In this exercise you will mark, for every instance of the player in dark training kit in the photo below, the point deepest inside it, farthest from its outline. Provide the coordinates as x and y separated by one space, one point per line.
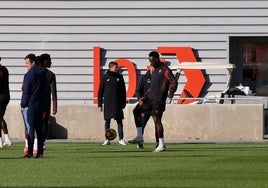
163 86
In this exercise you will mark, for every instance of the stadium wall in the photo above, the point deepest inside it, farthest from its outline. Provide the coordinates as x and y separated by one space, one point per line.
226 122
69 31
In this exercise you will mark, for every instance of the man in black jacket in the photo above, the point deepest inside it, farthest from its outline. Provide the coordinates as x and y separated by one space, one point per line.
163 85
112 92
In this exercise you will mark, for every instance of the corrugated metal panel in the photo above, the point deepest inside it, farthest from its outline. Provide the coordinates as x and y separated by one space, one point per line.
69 30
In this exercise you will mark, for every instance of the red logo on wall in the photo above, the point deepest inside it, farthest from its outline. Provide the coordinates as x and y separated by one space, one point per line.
195 78
192 88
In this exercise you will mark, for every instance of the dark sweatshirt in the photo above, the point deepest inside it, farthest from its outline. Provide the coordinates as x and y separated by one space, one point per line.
162 81
143 85
4 85
34 89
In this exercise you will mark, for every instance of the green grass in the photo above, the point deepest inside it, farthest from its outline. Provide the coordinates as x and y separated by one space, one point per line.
93 165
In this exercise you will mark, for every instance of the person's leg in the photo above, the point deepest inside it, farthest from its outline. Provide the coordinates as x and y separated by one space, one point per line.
46 116
40 135
35 146
30 131
140 121
24 113
45 125
120 132
160 133
145 118
156 137
157 112
7 141
25 150
120 128
137 112
159 126
1 143
107 123
3 125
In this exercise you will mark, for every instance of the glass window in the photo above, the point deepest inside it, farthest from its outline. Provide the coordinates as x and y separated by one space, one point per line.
250 55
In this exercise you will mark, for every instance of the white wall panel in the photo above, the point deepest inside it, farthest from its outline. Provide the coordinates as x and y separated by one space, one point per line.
69 30
132 21
84 38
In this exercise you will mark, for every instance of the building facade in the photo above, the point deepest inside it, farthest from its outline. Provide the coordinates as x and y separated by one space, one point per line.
217 31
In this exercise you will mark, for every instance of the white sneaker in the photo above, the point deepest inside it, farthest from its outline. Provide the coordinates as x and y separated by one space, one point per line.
121 142
106 142
160 149
7 143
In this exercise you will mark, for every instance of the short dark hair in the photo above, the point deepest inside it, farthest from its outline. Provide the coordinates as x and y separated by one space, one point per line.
154 54
38 60
45 56
31 57
112 63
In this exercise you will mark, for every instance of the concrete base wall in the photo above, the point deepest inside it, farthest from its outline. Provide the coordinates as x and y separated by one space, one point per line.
181 122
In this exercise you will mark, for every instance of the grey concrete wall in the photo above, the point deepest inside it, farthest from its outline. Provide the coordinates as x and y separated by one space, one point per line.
181 122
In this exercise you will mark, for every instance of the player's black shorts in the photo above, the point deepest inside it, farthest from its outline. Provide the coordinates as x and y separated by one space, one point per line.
157 108
3 108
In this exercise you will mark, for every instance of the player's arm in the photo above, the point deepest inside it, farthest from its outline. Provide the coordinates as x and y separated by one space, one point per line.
53 87
123 92
140 88
100 93
26 91
173 83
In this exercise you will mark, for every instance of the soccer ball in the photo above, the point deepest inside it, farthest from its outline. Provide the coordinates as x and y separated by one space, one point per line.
110 134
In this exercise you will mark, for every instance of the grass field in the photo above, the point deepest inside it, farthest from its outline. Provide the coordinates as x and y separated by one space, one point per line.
83 164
